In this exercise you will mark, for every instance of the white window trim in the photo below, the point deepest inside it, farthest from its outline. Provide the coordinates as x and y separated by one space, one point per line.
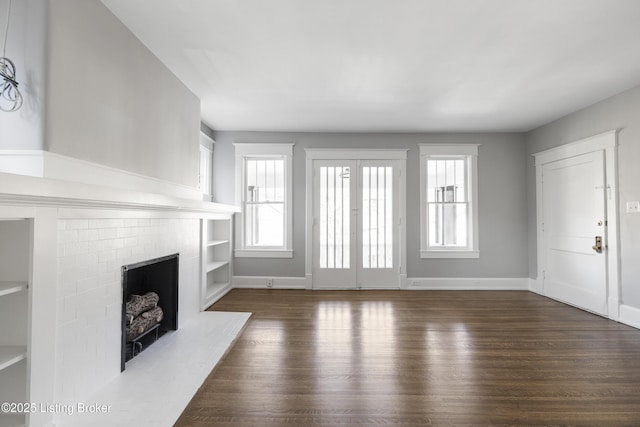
243 150
446 150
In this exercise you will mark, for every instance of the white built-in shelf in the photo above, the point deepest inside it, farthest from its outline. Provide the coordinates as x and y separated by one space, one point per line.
7 288
216 290
13 420
11 354
216 265
217 242
213 290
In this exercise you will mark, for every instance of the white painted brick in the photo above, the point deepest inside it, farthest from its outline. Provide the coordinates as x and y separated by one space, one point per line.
67 236
108 255
124 253
130 242
114 294
136 251
131 222
118 243
108 277
96 246
94 278
88 235
77 224
97 223
87 284
115 223
107 233
75 248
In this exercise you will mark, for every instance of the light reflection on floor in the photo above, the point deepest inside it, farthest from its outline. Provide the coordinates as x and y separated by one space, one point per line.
355 339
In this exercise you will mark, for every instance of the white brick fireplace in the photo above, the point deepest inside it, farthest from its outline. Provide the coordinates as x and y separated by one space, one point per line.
82 234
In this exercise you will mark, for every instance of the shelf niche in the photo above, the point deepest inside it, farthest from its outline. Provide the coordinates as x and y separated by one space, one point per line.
216 256
15 267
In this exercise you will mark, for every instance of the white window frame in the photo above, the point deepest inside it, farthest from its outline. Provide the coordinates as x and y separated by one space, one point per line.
469 152
266 150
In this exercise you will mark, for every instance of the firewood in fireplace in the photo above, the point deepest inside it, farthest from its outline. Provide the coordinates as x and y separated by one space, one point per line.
144 322
137 304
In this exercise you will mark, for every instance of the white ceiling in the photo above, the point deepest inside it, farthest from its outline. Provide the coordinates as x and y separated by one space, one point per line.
391 65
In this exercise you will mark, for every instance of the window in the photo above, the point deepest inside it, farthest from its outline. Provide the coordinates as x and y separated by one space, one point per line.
448 197
263 190
206 165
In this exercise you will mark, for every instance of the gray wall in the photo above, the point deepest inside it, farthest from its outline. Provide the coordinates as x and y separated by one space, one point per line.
619 112
112 102
26 47
502 204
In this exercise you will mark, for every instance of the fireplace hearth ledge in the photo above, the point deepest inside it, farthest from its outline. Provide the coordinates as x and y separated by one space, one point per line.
180 362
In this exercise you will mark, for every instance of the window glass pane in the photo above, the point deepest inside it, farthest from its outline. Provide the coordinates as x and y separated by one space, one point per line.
461 192
431 180
265 189
446 180
447 224
264 224
377 216
265 180
205 170
334 217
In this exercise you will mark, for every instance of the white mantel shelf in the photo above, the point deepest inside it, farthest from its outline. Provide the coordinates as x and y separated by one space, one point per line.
22 190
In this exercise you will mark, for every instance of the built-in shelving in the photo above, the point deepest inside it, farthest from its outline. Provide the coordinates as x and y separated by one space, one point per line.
217 242
11 354
15 266
7 288
216 254
216 265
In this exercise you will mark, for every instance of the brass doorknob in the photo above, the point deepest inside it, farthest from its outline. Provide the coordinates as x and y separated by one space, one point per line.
598 246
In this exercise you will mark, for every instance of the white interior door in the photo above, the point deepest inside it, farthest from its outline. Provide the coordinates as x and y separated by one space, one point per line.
355 236
574 216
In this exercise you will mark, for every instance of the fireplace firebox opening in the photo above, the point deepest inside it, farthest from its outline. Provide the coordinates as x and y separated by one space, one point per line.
149 303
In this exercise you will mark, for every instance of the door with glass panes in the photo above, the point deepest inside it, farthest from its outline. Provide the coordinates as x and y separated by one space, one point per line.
356 224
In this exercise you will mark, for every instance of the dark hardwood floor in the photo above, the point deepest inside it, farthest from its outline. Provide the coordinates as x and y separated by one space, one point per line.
419 358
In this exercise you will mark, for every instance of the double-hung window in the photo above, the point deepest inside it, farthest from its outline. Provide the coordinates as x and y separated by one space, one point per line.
263 189
448 201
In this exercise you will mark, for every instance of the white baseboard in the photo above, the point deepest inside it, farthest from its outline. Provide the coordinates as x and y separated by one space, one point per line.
261 282
535 286
468 284
500 284
629 316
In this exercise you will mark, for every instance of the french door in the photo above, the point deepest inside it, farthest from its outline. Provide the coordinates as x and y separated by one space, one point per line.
356 224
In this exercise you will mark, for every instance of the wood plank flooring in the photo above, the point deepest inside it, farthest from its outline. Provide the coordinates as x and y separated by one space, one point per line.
343 358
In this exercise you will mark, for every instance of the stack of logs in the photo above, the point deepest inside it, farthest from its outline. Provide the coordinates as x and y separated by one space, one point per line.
142 313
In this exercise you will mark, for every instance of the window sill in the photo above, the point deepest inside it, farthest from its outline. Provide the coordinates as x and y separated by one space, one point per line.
450 254
263 253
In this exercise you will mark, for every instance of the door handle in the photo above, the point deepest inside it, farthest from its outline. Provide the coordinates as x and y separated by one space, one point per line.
598 246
